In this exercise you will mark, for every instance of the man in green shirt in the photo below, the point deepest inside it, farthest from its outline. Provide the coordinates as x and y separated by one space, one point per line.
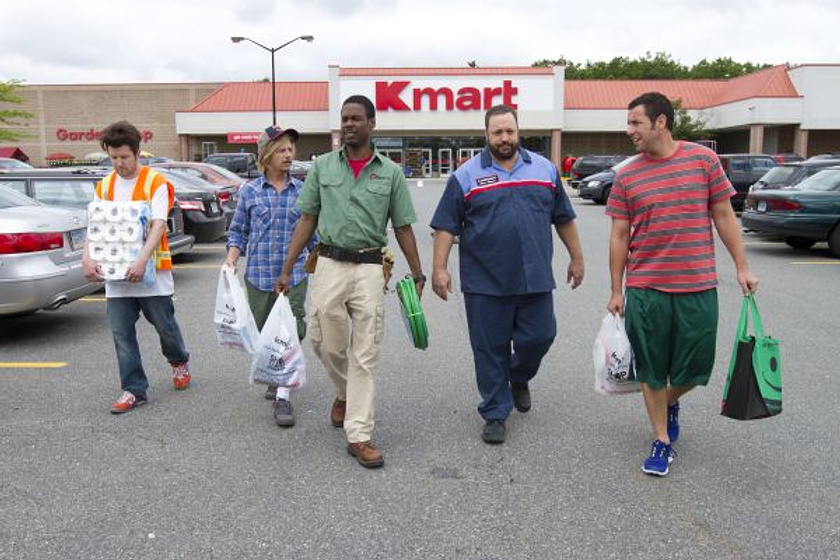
349 196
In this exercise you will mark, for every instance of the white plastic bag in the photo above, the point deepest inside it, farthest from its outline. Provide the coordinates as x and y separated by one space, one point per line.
278 358
234 322
612 354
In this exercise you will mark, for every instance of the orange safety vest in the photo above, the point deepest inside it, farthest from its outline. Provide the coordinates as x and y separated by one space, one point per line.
148 182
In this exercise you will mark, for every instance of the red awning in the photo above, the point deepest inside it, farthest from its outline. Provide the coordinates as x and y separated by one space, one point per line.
59 156
13 152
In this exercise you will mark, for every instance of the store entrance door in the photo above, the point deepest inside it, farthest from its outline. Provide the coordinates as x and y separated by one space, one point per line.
394 155
445 162
466 153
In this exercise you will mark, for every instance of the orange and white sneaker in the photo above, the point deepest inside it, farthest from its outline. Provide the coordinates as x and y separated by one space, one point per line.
127 401
181 376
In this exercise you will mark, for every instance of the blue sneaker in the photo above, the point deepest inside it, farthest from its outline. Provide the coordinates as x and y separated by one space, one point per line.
674 422
661 455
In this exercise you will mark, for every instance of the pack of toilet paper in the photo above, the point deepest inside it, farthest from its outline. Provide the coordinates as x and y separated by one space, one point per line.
116 233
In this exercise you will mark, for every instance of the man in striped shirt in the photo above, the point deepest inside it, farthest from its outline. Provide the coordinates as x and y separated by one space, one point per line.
662 205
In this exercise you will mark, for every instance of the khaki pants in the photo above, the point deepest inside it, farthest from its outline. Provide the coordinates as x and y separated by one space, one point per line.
345 327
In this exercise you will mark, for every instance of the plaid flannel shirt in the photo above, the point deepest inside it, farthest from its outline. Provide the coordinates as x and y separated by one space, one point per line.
262 229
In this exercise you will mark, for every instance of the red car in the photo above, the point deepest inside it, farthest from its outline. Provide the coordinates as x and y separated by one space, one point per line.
228 182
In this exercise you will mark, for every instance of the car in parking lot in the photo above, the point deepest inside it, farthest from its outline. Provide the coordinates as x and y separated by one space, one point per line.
743 170
7 164
204 217
790 174
74 188
40 255
802 215
588 165
243 164
597 187
300 169
225 184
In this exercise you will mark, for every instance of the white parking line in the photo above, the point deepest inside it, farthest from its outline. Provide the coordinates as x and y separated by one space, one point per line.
837 262
32 365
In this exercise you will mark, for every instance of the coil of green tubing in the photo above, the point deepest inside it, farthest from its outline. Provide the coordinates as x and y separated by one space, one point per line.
415 321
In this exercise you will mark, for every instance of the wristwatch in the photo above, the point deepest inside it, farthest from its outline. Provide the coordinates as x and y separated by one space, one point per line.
419 277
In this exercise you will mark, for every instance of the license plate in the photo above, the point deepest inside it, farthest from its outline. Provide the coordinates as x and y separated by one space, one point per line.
762 206
214 208
77 239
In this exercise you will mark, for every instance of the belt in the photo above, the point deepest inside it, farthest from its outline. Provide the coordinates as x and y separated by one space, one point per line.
367 256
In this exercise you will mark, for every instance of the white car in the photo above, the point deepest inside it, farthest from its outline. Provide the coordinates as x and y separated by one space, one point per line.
40 255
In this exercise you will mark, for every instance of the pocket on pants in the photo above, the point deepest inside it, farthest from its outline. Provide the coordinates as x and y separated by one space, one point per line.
379 327
314 328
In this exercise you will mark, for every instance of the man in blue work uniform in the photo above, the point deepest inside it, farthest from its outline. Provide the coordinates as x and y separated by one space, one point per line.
502 203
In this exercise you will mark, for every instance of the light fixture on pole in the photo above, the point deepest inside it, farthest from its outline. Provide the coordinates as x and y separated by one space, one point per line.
307 38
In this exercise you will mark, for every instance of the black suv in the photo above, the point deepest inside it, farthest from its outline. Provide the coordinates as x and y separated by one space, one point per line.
243 164
74 187
743 170
589 165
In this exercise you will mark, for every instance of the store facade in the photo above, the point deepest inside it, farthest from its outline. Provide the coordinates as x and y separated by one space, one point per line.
430 119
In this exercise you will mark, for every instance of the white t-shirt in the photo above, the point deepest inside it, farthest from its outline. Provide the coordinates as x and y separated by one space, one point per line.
164 283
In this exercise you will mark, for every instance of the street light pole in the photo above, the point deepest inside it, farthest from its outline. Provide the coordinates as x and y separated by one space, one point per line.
272 50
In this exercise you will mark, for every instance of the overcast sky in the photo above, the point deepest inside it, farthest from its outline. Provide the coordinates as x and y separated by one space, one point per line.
95 41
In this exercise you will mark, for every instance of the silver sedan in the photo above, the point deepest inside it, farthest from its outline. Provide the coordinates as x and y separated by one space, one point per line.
40 255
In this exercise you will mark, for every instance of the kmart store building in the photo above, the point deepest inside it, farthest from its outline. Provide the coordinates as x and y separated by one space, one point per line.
430 118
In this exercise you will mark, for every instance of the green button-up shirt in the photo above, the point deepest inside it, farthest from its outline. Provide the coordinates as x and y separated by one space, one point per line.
353 213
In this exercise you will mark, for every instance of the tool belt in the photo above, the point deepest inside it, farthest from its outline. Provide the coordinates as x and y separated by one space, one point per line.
367 256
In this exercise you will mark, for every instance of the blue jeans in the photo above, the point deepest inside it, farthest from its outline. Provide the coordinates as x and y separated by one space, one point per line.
123 313
509 337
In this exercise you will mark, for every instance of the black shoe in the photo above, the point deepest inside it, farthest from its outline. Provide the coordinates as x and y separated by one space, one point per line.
271 392
283 414
494 431
521 397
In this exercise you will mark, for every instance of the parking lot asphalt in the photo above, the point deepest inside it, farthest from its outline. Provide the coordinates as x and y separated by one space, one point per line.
206 474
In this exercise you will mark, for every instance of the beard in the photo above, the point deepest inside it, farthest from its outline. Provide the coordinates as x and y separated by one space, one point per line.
504 152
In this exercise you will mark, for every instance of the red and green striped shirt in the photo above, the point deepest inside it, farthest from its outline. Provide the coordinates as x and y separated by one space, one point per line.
668 202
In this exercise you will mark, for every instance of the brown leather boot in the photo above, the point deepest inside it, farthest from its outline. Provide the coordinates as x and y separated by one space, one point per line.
366 454
339 409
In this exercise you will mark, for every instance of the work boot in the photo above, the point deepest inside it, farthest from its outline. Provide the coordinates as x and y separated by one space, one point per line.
366 454
521 396
339 409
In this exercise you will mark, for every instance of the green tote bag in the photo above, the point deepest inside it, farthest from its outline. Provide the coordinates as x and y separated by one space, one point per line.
753 388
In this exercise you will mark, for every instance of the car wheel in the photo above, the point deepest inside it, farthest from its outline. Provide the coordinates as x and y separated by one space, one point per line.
834 241
800 242
605 196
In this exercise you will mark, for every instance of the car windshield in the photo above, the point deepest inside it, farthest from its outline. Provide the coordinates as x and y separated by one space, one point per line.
825 180
14 164
13 199
782 175
621 164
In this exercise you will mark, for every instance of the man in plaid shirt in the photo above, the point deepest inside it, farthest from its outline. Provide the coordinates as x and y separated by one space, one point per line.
262 227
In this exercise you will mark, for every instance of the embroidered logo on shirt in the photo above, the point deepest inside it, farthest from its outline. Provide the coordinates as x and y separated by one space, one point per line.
488 180
374 177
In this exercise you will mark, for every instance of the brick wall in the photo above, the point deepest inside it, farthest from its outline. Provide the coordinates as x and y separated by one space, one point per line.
80 108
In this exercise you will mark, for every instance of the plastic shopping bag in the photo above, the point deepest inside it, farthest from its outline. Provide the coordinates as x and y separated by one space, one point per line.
278 358
753 387
612 354
234 322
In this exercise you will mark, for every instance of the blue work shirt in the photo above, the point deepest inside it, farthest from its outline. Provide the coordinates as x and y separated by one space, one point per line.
504 220
262 229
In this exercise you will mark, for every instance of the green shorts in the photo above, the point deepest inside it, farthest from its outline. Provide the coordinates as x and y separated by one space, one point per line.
673 336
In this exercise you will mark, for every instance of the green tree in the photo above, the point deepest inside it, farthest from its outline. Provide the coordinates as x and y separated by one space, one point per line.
651 66
10 117
686 128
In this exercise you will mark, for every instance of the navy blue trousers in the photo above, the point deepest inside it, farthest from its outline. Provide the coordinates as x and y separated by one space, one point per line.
509 337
